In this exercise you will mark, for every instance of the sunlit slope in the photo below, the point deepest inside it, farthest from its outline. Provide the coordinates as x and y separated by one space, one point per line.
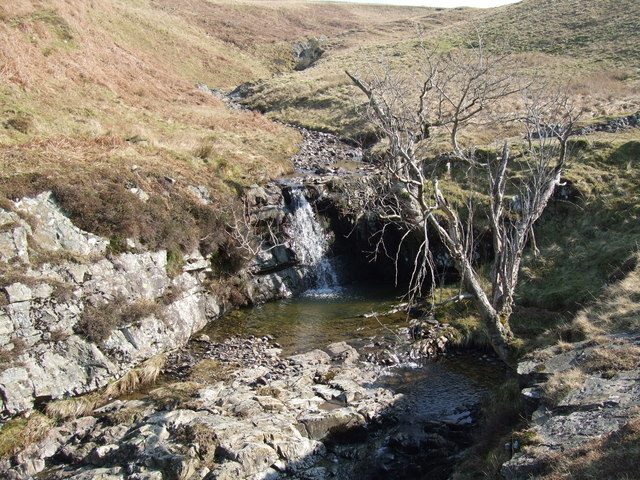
587 46
99 100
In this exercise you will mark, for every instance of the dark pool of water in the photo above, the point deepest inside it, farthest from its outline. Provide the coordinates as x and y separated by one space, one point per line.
437 389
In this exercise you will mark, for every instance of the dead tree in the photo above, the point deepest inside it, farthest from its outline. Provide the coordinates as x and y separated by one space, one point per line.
518 188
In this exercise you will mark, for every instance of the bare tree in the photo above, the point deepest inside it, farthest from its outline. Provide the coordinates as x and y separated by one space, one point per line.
454 89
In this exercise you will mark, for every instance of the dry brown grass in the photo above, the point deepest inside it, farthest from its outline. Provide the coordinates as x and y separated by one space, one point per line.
602 78
18 433
617 309
145 374
175 395
561 383
97 323
70 408
609 361
75 407
78 78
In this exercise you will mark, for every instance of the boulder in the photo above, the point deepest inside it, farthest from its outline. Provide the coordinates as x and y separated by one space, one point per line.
307 53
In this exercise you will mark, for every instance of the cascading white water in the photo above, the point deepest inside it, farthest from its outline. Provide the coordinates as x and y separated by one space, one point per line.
310 243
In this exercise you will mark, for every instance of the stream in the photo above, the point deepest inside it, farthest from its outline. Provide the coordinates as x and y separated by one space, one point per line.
426 423
321 385
432 422
314 320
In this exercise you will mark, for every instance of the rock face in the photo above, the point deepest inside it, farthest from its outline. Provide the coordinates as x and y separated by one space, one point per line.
602 397
51 345
313 415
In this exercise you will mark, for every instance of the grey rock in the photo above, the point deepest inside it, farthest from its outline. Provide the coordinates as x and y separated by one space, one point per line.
596 408
18 292
256 196
342 352
195 261
307 53
201 193
314 357
141 194
54 231
14 234
318 426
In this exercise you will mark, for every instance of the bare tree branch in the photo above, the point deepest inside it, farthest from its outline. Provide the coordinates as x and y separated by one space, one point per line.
453 90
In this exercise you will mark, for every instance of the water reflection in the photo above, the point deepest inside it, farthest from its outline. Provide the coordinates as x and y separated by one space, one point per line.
316 318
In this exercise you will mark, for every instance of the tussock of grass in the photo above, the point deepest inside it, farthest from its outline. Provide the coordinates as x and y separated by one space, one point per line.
75 407
145 374
126 416
617 309
70 408
608 362
18 433
561 383
175 395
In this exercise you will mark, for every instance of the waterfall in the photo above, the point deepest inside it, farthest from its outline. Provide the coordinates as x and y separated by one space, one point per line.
311 244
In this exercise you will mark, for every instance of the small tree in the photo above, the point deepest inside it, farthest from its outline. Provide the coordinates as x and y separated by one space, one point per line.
455 89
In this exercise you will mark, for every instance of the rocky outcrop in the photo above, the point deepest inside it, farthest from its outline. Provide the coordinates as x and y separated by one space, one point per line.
612 125
320 414
76 316
306 53
325 154
584 393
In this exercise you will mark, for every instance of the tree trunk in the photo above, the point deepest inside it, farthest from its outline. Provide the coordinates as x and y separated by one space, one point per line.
500 335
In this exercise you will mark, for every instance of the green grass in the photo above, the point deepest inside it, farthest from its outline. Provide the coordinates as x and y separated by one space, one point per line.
582 241
602 30
18 433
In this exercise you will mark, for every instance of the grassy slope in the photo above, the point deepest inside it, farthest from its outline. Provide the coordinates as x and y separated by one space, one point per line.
592 234
77 78
589 45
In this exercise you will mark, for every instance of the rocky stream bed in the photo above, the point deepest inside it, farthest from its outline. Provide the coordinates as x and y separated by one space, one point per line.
238 409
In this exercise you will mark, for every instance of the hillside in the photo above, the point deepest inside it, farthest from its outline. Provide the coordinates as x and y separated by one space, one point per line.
588 46
101 96
162 217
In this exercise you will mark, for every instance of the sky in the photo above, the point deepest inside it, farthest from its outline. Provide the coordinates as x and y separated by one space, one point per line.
439 3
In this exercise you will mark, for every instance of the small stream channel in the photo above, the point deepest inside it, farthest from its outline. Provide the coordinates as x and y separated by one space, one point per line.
424 432
433 421
312 320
